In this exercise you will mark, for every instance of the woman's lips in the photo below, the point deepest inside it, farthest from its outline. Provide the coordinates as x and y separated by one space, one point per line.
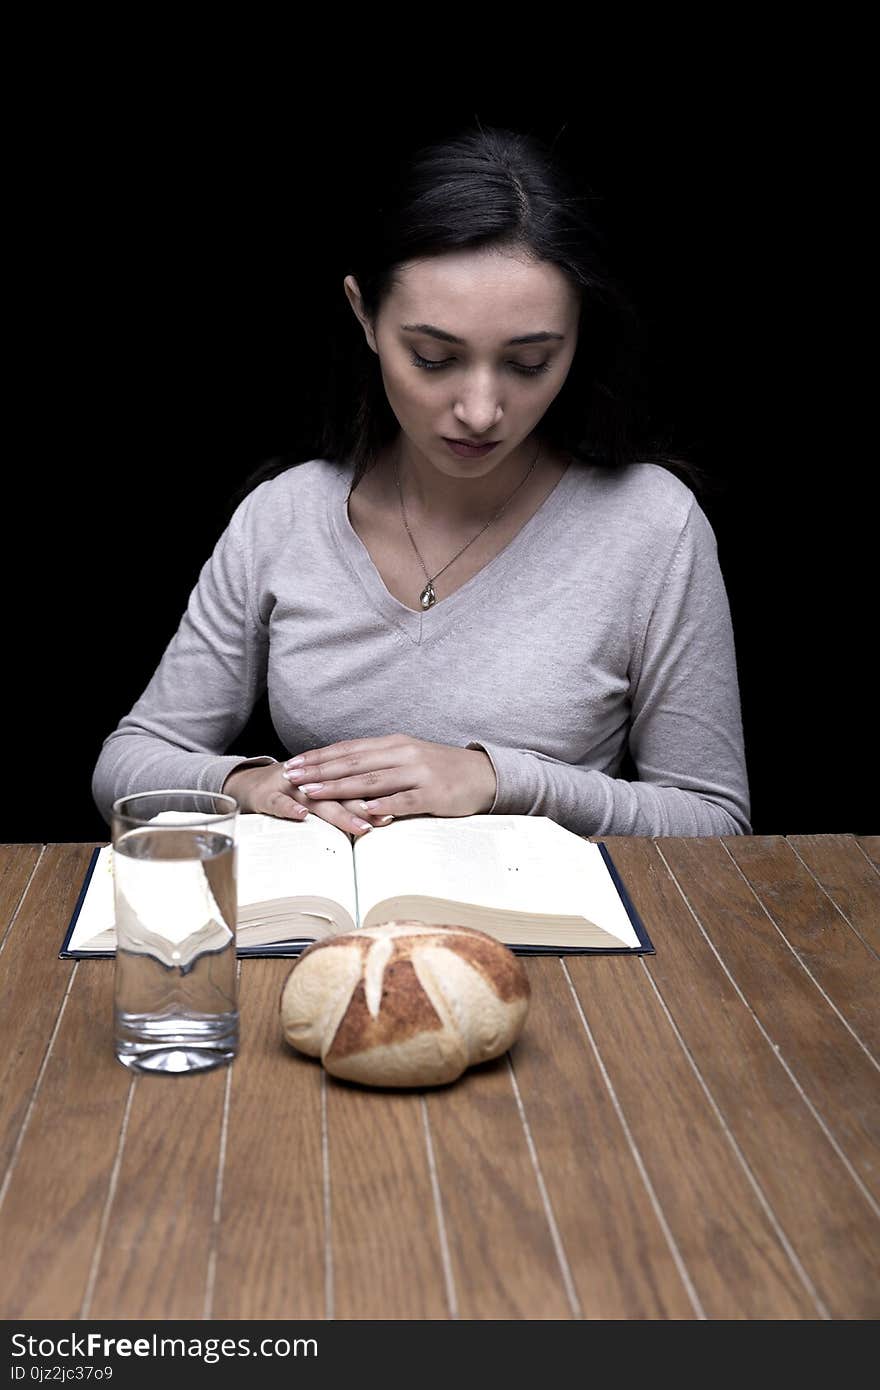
464 450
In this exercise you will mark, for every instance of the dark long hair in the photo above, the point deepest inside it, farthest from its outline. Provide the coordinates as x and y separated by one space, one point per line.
490 187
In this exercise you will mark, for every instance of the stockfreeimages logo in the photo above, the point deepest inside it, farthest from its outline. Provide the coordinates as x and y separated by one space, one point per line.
94 1346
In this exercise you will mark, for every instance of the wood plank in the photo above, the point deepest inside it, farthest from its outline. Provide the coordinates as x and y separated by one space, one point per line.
270 1260
387 1255
50 1220
870 845
155 1255
33 981
620 1261
729 1247
830 1066
502 1256
836 956
17 863
841 868
832 1228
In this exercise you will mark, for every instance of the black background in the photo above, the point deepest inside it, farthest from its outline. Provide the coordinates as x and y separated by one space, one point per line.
181 257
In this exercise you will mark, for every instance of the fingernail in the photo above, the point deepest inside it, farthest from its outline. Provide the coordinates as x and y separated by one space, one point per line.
383 820
371 805
311 787
362 825
294 762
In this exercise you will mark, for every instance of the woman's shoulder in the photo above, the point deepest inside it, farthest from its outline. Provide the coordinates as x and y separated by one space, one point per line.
311 477
638 495
294 492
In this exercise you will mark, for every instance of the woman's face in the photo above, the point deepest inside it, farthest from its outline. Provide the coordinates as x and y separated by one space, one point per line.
467 379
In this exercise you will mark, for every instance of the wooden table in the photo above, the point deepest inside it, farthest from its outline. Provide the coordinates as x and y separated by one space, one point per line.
687 1135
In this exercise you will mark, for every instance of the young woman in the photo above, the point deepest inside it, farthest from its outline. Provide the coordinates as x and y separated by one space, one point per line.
481 595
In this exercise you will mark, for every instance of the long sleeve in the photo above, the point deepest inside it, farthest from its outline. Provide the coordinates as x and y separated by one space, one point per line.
206 685
685 731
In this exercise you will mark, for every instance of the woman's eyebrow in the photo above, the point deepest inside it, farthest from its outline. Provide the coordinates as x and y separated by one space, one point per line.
451 338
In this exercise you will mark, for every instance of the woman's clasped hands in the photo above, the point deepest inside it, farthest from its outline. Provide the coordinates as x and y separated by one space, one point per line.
368 782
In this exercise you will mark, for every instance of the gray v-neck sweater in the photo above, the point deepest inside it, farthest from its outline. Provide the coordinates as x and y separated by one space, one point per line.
605 621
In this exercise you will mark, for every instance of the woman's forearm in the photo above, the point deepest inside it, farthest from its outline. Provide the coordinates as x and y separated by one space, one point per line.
590 802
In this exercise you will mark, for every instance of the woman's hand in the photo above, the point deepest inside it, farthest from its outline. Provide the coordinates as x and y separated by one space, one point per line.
401 776
265 789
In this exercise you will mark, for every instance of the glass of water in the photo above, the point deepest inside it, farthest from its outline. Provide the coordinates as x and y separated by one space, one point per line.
174 885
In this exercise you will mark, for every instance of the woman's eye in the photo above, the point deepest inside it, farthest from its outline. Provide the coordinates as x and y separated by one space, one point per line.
426 362
428 365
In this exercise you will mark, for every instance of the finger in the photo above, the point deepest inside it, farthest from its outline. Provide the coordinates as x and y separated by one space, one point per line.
281 804
364 766
350 818
352 747
406 803
372 755
335 813
361 785
357 807
292 805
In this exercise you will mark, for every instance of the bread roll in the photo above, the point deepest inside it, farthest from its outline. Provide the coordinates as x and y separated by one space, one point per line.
405 1003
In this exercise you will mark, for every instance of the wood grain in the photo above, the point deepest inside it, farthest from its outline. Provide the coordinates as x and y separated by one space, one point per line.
387 1255
503 1260
154 1259
831 1227
33 981
17 863
829 1065
838 864
51 1218
727 1244
836 957
270 1260
728 1065
621 1263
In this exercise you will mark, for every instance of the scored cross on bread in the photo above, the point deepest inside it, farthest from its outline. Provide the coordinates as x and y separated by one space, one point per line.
405 1003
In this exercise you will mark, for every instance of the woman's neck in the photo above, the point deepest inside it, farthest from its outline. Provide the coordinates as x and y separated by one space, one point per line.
451 502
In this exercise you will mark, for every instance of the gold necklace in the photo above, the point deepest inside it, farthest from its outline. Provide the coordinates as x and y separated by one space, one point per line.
427 598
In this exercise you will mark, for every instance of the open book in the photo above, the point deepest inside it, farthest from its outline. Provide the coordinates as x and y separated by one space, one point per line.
525 880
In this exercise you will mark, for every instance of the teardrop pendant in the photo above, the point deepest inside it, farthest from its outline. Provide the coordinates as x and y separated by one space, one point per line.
427 597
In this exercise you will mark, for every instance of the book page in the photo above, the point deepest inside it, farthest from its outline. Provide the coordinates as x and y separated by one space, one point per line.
292 859
525 864
97 913
277 860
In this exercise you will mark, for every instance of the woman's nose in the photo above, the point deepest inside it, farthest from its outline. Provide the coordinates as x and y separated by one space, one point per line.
478 410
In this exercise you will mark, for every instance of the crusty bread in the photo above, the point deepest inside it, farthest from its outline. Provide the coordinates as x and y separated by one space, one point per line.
405 1003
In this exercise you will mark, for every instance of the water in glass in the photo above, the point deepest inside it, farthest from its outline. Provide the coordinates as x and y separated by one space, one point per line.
176 992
